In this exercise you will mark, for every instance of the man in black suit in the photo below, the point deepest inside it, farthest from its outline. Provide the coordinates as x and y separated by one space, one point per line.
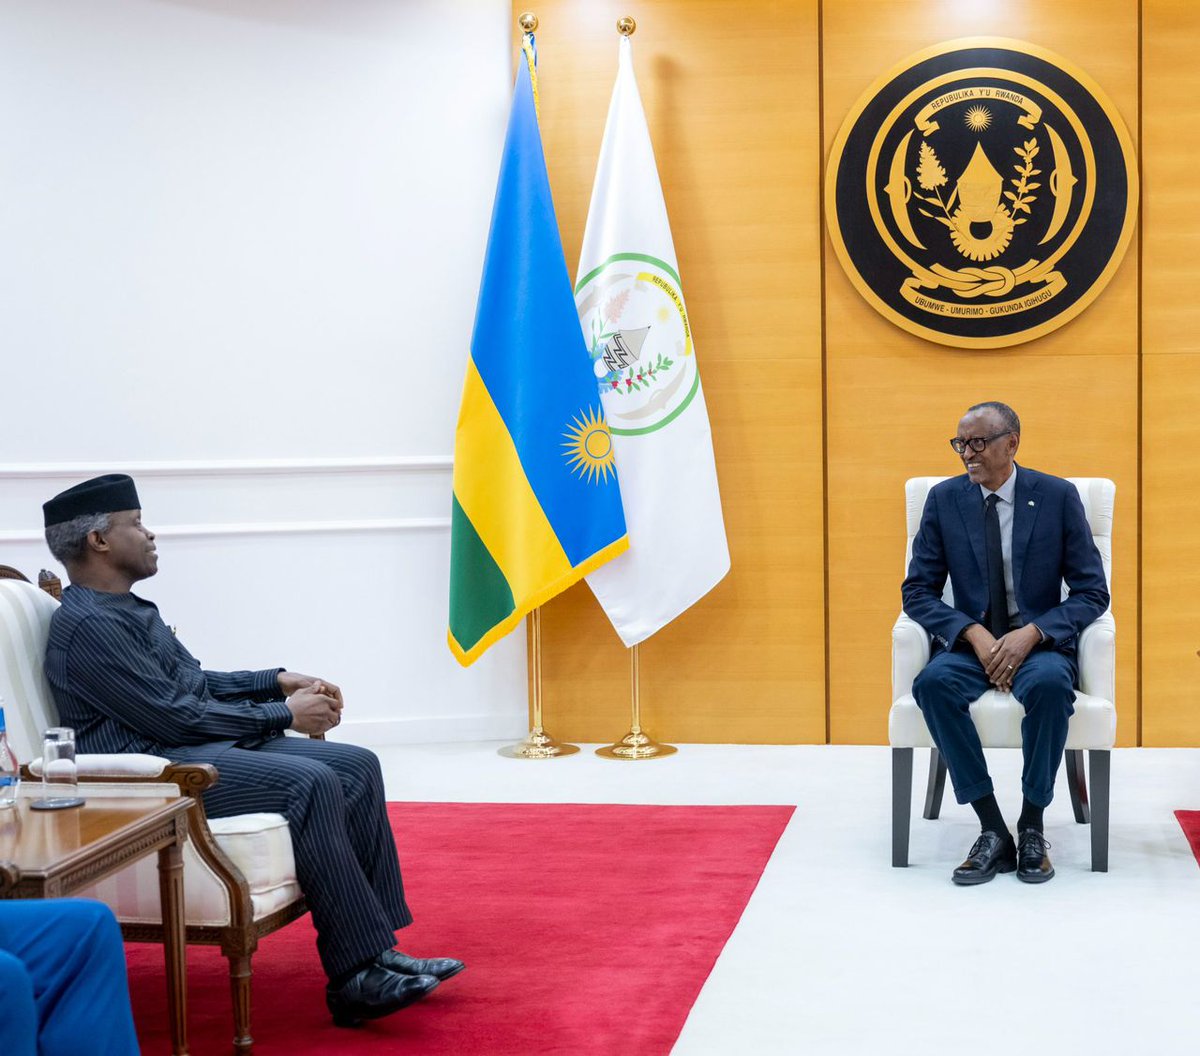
1007 537
126 684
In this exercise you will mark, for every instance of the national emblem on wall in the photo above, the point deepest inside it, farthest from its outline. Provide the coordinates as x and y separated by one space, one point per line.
981 194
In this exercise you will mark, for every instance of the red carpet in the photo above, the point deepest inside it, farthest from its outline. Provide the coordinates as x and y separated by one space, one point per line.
1190 821
586 929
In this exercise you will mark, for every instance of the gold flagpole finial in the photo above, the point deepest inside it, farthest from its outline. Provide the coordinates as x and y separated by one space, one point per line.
626 26
529 22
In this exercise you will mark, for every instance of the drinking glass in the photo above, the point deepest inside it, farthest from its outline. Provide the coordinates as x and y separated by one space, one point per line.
60 786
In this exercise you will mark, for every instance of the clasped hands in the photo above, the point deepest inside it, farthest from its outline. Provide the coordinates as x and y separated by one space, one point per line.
1001 657
315 704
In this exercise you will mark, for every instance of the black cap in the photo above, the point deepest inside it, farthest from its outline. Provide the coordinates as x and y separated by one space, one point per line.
106 494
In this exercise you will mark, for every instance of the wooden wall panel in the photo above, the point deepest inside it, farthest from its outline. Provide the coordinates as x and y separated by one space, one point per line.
731 100
893 399
1171 375
733 107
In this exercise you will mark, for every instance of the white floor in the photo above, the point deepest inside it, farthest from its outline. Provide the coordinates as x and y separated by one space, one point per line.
839 953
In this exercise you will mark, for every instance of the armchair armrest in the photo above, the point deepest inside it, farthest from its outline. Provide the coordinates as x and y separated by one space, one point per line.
136 773
117 766
910 653
131 768
1098 658
193 779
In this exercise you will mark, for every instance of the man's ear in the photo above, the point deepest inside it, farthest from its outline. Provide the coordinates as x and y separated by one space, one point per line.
97 542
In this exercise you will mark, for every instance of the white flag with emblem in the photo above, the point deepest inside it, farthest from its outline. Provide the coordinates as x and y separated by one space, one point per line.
632 310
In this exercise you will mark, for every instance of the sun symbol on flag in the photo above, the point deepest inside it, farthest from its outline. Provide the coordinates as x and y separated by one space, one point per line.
977 118
589 447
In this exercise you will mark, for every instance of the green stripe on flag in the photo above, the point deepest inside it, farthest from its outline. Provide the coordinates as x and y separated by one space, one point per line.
480 597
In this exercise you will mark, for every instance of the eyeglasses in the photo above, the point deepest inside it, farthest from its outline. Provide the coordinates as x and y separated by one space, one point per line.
975 443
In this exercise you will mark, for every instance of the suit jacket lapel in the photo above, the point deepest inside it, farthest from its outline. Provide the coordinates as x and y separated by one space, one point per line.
970 506
1026 507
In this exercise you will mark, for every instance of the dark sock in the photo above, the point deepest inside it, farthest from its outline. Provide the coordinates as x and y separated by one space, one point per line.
338 981
1031 817
990 818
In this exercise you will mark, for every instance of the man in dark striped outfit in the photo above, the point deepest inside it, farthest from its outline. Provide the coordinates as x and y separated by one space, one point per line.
126 684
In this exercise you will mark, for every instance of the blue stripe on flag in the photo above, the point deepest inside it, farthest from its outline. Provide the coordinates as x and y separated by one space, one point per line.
528 346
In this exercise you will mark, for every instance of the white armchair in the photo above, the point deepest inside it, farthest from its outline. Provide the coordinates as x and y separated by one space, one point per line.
239 873
997 716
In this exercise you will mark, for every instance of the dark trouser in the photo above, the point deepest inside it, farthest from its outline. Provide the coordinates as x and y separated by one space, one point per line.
63 988
1044 685
332 796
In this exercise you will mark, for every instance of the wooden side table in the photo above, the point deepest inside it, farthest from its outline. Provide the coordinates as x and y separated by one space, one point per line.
51 854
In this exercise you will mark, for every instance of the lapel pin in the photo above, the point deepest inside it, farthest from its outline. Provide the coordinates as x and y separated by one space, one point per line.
1031 502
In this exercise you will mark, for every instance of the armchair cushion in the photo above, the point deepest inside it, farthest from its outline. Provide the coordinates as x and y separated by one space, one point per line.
259 845
998 716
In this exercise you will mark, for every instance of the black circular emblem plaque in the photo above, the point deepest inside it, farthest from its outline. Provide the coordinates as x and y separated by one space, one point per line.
982 193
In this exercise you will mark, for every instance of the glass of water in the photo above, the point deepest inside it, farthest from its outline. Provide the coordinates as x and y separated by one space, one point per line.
60 784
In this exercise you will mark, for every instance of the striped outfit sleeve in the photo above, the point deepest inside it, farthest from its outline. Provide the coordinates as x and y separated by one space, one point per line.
258 686
109 667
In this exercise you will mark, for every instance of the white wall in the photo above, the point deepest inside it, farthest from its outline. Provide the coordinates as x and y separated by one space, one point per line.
240 242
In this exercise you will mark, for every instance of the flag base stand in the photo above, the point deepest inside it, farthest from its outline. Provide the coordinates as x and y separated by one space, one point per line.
538 745
636 745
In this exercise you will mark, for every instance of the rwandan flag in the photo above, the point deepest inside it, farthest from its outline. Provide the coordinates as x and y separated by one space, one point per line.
536 500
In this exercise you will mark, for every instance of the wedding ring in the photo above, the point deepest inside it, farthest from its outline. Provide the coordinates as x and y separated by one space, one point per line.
1009 668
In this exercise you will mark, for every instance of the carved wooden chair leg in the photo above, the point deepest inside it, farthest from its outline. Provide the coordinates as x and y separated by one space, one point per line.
1100 765
1077 784
937 784
902 769
239 985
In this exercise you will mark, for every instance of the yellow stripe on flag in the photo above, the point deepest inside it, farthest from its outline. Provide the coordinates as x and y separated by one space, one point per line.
495 494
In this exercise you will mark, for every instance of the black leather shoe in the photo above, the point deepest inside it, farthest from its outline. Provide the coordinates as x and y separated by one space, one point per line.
989 855
374 992
439 967
1033 863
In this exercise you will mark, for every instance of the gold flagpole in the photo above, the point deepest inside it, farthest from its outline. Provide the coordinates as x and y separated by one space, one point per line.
636 744
539 744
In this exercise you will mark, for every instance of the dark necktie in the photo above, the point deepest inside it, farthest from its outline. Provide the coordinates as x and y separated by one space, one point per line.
997 595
